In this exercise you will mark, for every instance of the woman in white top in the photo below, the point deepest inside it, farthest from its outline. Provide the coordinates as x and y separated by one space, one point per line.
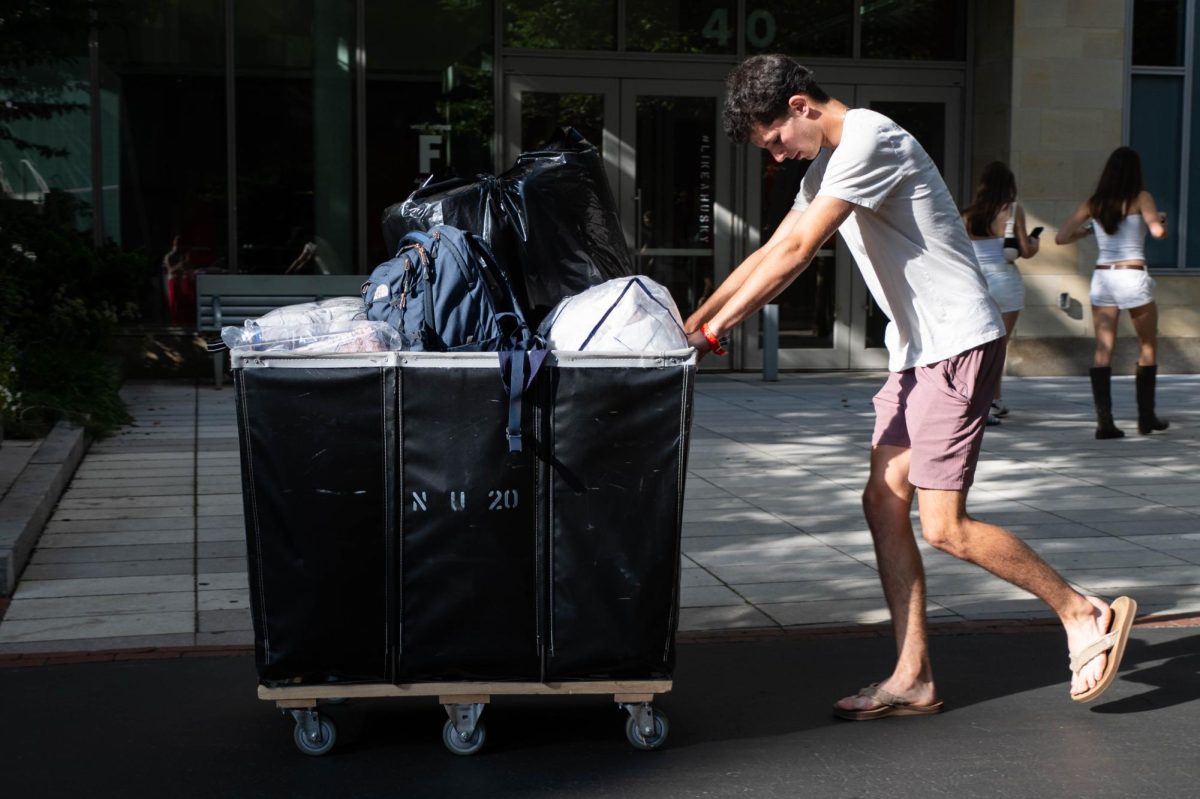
1122 212
991 223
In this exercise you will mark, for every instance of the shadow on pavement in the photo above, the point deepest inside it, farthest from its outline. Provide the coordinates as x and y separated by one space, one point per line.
748 718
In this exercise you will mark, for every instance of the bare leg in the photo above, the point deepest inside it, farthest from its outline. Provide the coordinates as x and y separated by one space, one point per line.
1104 319
1010 322
887 502
1145 323
946 525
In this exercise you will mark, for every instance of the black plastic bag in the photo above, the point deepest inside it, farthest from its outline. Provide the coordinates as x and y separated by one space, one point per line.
560 209
469 205
551 220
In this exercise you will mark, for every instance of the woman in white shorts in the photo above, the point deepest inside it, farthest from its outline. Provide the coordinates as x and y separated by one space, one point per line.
996 226
1120 213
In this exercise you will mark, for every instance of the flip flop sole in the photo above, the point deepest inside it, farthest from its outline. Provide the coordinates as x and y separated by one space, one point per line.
886 711
1124 610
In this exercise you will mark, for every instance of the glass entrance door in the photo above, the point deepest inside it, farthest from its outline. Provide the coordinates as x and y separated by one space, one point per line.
674 187
667 160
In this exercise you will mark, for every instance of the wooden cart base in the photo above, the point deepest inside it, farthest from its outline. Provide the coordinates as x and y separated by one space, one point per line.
463 733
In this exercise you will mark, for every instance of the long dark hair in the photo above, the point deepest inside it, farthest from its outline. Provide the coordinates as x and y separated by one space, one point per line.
1120 184
997 188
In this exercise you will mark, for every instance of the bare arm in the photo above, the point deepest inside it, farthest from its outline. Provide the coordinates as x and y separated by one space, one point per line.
1149 211
778 264
738 276
1027 245
1072 230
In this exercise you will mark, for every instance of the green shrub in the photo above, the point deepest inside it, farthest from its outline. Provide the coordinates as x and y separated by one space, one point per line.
61 300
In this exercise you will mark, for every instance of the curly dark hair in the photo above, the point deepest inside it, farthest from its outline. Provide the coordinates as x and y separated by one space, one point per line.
758 90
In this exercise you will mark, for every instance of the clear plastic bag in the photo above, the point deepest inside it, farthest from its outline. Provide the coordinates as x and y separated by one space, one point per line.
292 317
300 322
343 335
625 314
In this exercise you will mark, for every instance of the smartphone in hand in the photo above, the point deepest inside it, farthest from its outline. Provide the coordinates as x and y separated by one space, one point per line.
1037 231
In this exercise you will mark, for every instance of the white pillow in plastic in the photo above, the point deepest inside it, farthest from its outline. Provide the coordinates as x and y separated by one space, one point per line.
625 314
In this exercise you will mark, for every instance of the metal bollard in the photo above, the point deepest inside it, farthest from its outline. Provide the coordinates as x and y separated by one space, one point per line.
770 342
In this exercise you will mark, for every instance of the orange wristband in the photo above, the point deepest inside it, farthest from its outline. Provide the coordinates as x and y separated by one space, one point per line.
714 343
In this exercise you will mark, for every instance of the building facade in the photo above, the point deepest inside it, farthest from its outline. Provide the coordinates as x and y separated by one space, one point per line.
268 137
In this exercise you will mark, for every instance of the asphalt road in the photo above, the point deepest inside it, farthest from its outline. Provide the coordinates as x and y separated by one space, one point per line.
747 719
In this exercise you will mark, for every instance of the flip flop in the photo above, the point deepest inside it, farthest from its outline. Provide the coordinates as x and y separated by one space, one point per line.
890 705
1113 642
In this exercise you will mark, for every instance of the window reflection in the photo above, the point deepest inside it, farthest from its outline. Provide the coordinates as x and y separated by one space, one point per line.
1158 33
295 157
164 66
560 25
429 103
817 28
44 90
677 26
543 113
926 30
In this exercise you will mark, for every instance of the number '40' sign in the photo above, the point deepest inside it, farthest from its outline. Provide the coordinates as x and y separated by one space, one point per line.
760 28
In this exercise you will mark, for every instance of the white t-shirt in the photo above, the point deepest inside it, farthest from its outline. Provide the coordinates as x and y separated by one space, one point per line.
908 240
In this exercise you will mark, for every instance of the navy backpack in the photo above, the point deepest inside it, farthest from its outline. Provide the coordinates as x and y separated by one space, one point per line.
444 292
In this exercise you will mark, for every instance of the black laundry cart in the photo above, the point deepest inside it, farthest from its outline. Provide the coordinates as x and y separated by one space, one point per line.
396 547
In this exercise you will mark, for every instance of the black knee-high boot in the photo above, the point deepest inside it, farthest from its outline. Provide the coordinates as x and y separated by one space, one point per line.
1147 421
1102 394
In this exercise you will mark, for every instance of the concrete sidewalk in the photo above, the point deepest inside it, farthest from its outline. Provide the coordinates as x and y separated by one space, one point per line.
145 549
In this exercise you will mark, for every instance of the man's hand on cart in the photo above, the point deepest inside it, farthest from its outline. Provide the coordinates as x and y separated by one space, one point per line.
704 340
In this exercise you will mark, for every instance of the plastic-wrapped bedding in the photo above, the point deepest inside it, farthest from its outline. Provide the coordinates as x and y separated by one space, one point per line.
337 324
626 314
355 335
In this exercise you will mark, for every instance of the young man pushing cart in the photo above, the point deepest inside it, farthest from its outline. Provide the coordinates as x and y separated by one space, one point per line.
872 182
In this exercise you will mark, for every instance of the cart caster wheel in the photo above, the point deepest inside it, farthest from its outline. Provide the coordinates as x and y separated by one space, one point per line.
318 741
654 741
459 745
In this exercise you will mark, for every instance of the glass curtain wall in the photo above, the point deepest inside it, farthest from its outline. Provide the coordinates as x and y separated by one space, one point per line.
46 112
293 68
429 105
162 68
172 137
45 107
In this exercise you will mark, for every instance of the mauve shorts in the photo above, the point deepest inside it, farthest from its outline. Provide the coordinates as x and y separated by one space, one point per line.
939 411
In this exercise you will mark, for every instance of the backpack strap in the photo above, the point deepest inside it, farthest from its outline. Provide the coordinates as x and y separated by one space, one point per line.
518 368
423 250
1011 224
